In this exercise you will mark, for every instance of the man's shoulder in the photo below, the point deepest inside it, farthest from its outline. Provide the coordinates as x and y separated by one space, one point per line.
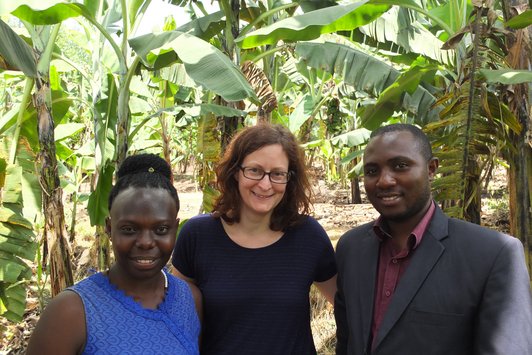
440 222
479 238
357 232
472 230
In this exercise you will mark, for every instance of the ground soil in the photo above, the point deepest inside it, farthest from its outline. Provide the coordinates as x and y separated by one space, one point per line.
332 208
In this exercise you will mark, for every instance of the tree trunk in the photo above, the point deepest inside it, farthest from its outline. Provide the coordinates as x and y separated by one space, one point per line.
472 188
122 124
520 160
54 227
355 191
229 128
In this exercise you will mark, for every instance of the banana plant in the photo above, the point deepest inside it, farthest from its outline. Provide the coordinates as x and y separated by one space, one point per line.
35 63
400 31
210 69
311 25
17 239
475 125
115 117
113 70
22 201
516 92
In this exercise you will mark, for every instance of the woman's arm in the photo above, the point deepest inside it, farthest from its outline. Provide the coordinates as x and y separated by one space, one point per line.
327 288
196 293
61 327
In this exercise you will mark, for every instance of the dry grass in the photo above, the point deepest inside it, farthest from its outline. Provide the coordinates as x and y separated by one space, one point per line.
322 323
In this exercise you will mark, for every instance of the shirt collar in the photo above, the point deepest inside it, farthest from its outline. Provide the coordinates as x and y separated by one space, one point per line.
379 227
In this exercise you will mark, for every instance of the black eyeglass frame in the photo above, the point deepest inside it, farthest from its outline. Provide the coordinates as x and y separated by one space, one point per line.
264 173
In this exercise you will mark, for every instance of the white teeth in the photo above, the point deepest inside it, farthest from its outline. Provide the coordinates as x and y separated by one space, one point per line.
389 198
144 261
261 196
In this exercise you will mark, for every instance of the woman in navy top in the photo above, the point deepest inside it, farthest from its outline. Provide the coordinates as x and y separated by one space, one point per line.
257 255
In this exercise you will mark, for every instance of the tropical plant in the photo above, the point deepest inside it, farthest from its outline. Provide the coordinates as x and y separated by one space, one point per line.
35 63
518 77
17 240
330 72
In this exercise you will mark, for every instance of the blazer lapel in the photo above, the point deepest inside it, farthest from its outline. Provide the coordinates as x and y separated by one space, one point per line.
367 271
422 262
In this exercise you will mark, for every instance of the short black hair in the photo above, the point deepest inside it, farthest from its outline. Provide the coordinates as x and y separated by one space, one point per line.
423 141
144 171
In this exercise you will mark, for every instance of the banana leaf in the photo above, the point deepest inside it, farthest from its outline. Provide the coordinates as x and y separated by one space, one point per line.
399 27
507 76
312 24
373 76
520 21
16 52
204 63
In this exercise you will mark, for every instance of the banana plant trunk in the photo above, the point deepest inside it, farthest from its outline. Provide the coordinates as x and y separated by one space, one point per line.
520 161
356 197
54 228
519 182
229 125
122 125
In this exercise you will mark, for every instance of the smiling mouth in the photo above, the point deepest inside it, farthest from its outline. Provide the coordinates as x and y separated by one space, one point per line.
389 198
262 196
144 261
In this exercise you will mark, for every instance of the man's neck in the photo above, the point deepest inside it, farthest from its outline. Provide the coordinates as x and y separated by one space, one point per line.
401 231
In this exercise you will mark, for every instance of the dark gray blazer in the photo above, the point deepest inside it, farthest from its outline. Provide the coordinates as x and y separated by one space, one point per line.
465 291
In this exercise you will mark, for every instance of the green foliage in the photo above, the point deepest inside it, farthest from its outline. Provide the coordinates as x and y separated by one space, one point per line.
97 205
16 51
401 27
17 241
475 126
326 91
204 27
204 63
507 76
392 98
301 113
373 76
353 138
51 15
522 20
312 24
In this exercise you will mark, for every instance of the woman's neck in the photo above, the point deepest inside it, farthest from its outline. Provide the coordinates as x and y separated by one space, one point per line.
148 292
252 233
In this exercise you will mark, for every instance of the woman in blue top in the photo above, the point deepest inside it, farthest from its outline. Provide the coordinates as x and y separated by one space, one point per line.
255 258
135 307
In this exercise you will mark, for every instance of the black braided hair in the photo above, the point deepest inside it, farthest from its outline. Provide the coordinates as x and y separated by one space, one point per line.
144 170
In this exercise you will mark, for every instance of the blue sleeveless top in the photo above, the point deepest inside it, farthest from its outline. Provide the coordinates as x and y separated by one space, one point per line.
116 324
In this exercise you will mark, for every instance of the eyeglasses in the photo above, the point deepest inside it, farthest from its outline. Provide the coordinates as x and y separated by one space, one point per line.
277 177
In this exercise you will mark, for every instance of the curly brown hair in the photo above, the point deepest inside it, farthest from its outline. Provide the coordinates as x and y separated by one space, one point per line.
296 200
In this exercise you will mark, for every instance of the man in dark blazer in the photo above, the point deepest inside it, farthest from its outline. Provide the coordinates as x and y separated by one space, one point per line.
417 282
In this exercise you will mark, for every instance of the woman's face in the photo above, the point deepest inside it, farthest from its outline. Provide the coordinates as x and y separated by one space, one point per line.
143 227
260 197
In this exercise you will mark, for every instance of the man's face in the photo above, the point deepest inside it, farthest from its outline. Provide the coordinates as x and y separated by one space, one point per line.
397 177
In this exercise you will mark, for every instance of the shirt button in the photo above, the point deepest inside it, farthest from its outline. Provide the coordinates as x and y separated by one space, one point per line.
394 261
387 293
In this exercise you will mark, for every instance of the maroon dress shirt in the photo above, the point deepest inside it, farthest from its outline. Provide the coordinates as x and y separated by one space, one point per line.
392 265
